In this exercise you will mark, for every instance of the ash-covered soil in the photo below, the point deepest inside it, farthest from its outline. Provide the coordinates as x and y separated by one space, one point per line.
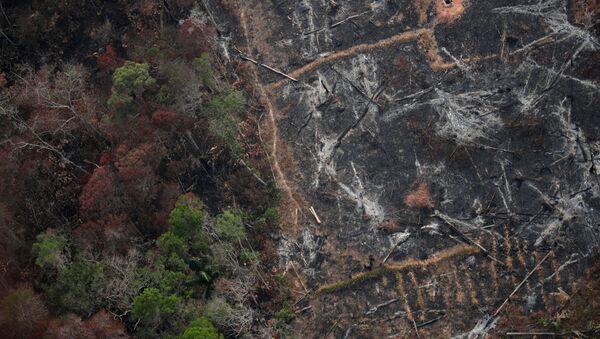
465 132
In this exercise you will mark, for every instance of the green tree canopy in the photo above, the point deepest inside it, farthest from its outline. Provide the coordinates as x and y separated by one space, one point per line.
169 243
132 78
201 328
229 224
152 306
76 287
129 80
49 250
186 218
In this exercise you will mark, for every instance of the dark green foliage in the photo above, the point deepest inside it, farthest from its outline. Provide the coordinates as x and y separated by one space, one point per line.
231 103
153 307
169 243
75 287
186 218
165 95
222 122
229 225
172 282
271 216
201 328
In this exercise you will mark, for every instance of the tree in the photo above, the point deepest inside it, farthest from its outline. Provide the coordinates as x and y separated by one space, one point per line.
205 70
169 243
229 225
153 307
186 218
76 288
201 328
136 168
101 195
222 123
129 82
49 250
104 325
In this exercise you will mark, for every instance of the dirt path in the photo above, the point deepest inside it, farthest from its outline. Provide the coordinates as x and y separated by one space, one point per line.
291 205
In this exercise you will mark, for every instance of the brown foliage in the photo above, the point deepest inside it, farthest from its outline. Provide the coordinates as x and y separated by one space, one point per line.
100 195
101 325
109 59
419 198
163 118
197 37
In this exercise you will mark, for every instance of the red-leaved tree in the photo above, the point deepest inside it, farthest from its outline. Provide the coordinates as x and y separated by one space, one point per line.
101 195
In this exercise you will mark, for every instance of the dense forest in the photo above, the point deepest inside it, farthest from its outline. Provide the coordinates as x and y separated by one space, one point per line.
136 198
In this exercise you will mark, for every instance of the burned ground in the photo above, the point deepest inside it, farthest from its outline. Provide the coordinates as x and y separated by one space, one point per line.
492 106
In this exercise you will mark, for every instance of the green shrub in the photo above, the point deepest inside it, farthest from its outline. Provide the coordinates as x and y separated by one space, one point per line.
165 95
49 250
201 328
172 282
248 255
185 221
205 70
227 104
169 243
75 287
219 262
229 224
224 127
554 325
222 122
271 216
285 315
153 307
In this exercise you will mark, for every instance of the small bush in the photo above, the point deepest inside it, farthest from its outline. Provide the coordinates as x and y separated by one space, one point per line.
165 95
285 315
